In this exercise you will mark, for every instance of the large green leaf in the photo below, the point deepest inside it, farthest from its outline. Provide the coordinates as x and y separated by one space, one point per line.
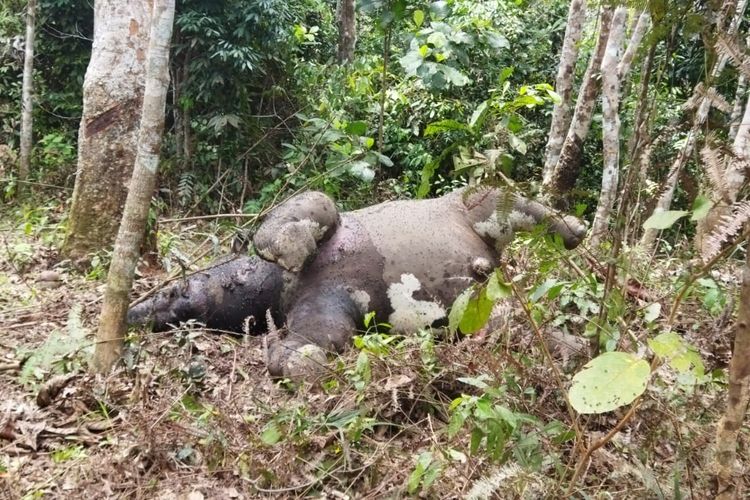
477 312
609 381
680 355
418 17
664 220
357 128
701 207
458 308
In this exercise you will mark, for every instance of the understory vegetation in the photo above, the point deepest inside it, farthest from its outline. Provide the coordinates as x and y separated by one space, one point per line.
439 95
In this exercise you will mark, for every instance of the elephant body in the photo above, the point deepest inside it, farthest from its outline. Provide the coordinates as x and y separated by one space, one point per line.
407 261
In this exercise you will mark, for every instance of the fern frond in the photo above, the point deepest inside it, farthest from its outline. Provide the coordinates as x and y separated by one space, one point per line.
732 48
695 99
729 225
714 166
509 481
185 188
506 201
717 100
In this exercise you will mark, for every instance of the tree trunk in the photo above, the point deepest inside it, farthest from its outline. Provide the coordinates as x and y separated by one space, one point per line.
564 84
24 165
739 99
737 397
563 176
735 177
107 137
670 184
641 27
347 31
112 325
610 125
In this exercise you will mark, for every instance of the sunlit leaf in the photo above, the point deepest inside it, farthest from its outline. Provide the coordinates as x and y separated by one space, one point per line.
680 355
477 313
357 128
458 309
652 312
664 219
609 381
418 17
271 434
701 207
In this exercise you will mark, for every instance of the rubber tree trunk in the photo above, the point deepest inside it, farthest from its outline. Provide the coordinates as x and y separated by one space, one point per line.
563 176
738 395
347 31
670 184
610 125
107 136
636 37
564 84
112 325
24 165
739 100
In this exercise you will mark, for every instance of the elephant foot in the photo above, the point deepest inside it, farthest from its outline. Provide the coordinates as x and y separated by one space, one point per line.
295 360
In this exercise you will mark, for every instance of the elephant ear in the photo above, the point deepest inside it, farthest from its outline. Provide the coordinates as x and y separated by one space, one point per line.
290 245
290 234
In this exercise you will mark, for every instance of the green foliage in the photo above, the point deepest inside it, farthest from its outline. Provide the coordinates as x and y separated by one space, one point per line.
680 355
71 452
504 139
425 473
493 426
62 352
712 296
664 219
609 381
471 309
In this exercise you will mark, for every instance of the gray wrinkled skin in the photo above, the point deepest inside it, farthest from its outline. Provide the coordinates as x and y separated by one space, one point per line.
410 258
222 297
405 260
291 232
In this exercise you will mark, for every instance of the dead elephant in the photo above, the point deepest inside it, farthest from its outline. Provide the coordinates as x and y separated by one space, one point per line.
405 260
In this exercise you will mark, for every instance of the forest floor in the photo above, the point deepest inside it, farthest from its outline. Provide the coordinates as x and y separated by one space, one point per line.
192 414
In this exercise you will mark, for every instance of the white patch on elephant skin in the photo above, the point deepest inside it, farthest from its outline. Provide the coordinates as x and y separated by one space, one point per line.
520 220
361 299
481 266
500 232
410 314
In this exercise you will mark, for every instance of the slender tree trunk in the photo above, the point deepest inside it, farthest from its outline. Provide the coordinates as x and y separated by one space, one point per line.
735 177
610 125
738 395
739 99
564 84
641 27
563 176
130 235
187 129
24 166
107 137
347 31
670 184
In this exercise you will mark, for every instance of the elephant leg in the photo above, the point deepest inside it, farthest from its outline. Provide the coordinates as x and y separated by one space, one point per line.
321 321
290 234
521 213
569 228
